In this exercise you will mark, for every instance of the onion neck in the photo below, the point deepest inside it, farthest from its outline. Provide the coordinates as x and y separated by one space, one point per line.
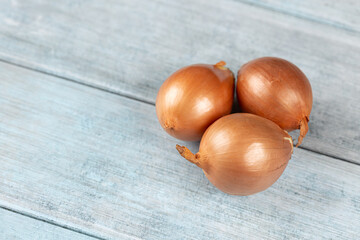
188 155
304 128
221 65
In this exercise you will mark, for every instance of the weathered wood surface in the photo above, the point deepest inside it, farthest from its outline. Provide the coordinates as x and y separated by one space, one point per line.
100 162
18 227
340 14
130 47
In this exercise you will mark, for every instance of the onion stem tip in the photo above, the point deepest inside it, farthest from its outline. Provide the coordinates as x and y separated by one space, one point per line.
187 154
221 65
304 128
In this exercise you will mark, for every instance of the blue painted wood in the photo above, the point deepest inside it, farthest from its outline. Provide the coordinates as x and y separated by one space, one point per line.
15 226
341 14
130 47
99 162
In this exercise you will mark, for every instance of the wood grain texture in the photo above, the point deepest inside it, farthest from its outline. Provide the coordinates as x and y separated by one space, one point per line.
131 47
18 227
341 14
97 161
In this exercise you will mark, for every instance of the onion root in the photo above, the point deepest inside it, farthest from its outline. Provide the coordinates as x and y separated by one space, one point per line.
169 125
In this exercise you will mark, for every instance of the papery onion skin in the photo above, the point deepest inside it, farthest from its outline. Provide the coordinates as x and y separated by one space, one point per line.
242 154
192 98
277 90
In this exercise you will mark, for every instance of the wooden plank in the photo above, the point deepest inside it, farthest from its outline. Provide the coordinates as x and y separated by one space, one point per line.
130 47
341 14
100 162
16 226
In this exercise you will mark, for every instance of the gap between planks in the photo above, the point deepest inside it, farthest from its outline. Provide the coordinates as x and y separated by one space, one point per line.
144 101
32 216
78 82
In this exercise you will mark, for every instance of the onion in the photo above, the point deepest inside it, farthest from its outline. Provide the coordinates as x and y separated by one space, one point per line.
277 90
242 154
193 98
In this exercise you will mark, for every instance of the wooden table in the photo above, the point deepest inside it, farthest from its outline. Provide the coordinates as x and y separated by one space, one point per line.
83 156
